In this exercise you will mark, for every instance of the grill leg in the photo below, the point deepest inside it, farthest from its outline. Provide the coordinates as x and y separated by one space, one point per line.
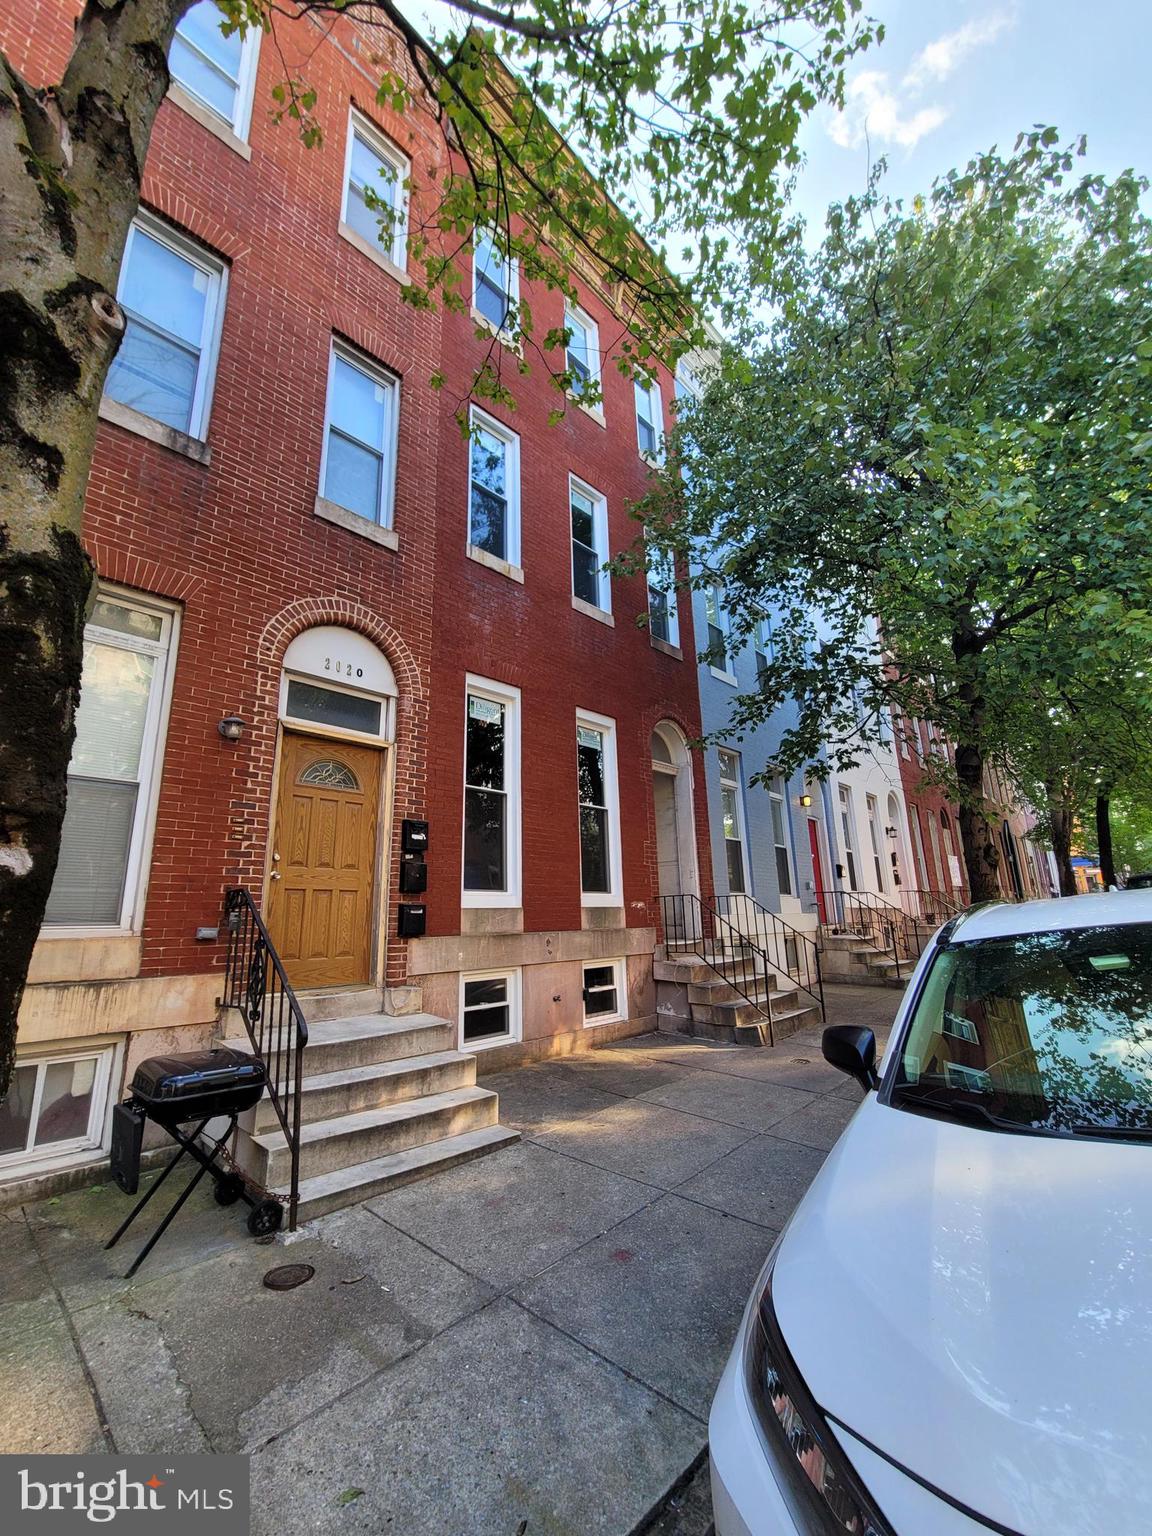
207 1161
148 1193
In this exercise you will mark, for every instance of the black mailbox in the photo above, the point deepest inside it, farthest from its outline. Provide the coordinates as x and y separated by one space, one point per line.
413 920
413 876
414 836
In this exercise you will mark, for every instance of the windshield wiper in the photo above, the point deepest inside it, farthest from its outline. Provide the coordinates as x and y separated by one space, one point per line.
961 1108
1115 1132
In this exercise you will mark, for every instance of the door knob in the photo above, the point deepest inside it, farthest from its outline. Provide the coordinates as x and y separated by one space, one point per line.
275 858
275 875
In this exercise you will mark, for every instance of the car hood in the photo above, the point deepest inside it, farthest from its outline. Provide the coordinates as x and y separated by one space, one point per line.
978 1306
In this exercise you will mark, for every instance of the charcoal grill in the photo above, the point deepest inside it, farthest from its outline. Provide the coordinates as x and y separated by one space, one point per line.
183 1094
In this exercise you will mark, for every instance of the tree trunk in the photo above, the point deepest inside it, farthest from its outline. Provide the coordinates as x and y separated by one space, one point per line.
1104 839
70 164
981 855
1060 819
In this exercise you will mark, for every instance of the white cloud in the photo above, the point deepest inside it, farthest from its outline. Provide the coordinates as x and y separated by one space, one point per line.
873 111
943 57
881 111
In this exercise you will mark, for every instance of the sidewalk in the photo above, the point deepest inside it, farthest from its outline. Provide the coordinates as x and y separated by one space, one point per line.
523 1346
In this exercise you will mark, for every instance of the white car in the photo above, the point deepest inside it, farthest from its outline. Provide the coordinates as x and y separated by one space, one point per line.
954 1332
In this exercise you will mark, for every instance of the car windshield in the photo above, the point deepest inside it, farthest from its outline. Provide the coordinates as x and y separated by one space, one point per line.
1042 1032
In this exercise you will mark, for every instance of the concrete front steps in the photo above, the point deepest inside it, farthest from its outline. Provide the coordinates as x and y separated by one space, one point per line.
696 998
385 1099
852 958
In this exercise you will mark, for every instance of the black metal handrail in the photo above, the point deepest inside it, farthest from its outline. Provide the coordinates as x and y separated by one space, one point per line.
257 986
885 926
691 925
793 953
933 906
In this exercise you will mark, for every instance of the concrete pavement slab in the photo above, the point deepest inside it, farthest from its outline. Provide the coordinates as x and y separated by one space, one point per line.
547 1095
761 1180
644 1141
500 1425
820 1124
505 1218
740 1101
46 1403
661 1295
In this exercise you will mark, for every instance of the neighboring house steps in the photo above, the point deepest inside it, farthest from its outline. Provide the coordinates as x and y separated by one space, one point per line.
854 958
696 997
385 1100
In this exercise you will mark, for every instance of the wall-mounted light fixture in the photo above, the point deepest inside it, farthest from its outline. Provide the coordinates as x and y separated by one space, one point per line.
805 799
231 727
891 832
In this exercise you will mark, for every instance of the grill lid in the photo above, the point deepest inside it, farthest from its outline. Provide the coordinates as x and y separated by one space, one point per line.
164 1079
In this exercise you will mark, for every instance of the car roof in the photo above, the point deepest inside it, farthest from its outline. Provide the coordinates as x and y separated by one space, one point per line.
1001 919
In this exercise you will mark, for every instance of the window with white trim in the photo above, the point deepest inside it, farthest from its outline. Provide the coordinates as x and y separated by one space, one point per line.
494 488
589 517
777 802
873 810
56 1106
375 204
599 810
491 876
732 821
115 764
582 355
495 282
605 995
719 626
358 468
490 1009
663 604
172 295
218 70
649 419
764 647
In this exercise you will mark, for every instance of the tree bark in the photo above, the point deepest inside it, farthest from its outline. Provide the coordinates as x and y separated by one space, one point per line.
1104 839
1060 819
71 158
981 855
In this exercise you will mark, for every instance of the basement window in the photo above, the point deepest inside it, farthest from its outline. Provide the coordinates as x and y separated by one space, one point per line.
489 1009
603 992
55 1107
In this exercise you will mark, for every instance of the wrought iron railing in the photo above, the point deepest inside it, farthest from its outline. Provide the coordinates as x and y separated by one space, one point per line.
885 926
791 952
256 985
931 906
690 926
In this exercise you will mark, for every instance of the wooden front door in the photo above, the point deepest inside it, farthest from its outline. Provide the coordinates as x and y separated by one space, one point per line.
320 896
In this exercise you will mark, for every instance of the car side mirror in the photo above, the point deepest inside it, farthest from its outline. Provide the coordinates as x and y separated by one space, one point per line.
852 1049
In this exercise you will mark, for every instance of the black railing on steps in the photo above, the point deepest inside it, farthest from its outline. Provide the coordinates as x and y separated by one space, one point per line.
792 953
898 931
257 986
690 926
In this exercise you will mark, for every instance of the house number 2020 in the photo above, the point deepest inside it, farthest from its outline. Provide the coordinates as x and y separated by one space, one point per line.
342 668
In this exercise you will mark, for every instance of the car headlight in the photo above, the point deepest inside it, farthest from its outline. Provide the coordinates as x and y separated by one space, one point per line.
823 1492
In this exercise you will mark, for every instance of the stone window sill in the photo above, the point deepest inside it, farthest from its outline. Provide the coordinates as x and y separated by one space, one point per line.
155 431
666 647
593 612
594 411
482 322
208 119
331 512
723 677
373 253
494 563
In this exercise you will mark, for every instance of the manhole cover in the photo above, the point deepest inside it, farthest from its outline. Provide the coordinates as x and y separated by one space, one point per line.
800 1061
286 1277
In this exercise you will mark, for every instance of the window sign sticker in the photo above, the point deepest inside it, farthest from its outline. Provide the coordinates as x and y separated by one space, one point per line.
485 710
1109 962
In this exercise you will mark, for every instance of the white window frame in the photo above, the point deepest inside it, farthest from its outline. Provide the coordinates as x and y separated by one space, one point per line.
381 146
651 393
671 595
875 839
603 603
620 985
511 277
514 981
96 1138
848 832
574 313
379 375
778 796
714 604
241 120
734 781
152 746
511 556
509 697
216 271
614 896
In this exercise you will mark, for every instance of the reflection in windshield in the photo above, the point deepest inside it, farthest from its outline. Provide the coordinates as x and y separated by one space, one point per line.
1045 1032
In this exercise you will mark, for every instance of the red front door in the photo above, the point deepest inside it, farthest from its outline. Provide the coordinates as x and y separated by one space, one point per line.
817 867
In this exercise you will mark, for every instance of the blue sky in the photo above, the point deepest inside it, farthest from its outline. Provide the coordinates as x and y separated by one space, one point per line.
953 77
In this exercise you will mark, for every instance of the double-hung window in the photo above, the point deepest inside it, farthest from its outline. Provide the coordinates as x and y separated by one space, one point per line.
663 609
495 282
763 645
599 810
776 802
376 191
219 72
115 765
490 1010
716 615
732 819
582 355
172 295
603 989
56 1107
359 464
491 795
589 516
649 419
494 489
